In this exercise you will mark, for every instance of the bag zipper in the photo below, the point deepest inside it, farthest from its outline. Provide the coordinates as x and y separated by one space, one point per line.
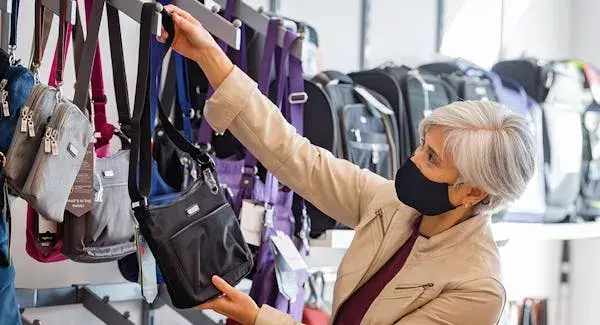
390 136
53 129
5 108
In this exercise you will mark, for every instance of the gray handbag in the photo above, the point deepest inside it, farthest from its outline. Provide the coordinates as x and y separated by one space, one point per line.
28 135
106 233
58 160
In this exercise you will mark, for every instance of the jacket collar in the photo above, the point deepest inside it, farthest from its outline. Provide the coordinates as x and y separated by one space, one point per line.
465 231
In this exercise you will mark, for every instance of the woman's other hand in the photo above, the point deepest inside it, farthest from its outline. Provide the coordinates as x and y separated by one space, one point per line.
234 304
195 42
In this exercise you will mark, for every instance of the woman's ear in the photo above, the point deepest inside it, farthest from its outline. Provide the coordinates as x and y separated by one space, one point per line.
475 196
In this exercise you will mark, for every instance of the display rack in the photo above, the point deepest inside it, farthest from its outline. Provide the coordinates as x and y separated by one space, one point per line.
503 231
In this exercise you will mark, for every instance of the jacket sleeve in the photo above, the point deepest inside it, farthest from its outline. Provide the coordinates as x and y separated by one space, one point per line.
335 186
477 302
271 316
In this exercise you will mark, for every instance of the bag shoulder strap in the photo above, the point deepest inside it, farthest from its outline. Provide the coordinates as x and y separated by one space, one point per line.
141 151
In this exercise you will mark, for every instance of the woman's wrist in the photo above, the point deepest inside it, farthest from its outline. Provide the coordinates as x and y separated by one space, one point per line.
215 64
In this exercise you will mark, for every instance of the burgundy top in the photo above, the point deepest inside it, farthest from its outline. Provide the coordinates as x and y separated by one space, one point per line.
354 309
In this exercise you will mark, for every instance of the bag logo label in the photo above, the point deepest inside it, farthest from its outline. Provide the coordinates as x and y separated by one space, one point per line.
108 173
192 210
72 150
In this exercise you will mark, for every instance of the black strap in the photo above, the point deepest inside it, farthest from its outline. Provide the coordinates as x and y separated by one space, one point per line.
84 75
141 150
118 68
14 18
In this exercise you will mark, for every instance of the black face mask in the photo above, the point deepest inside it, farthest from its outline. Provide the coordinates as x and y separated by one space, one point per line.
418 192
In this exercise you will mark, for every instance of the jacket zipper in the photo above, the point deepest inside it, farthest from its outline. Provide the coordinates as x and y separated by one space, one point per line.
424 286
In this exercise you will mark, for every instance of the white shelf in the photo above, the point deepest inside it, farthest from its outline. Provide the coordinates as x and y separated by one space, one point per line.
341 239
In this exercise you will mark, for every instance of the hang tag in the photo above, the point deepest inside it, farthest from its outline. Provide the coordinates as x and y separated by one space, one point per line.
252 216
81 197
147 269
46 231
285 246
287 280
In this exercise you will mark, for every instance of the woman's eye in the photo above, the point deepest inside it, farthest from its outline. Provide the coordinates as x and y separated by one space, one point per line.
430 158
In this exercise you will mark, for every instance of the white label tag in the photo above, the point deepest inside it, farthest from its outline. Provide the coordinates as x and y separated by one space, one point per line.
147 269
287 280
252 216
428 87
288 250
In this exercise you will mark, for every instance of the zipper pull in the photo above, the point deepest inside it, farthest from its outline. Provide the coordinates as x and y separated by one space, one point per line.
24 114
5 108
47 141
54 143
375 158
30 128
210 180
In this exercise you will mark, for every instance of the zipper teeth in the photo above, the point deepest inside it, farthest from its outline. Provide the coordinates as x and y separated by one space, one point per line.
35 114
424 286
58 118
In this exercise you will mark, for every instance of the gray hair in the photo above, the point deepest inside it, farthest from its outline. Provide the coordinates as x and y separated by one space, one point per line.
492 148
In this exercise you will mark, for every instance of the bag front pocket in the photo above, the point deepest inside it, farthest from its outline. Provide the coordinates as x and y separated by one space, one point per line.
195 246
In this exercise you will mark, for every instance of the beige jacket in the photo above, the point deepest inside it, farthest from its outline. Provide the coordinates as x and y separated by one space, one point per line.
451 278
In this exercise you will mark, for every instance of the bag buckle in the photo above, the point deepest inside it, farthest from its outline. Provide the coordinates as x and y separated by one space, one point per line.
253 170
298 98
140 204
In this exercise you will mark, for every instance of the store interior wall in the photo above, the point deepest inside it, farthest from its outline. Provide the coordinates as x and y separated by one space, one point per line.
402 31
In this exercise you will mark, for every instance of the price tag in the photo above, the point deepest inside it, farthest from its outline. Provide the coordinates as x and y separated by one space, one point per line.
81 197
287 280
252 215
284 246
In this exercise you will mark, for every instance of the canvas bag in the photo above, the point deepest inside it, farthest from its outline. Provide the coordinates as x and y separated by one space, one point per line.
199 212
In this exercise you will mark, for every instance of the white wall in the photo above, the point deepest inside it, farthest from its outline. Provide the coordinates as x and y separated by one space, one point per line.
337 22
584 28
538 28
402 31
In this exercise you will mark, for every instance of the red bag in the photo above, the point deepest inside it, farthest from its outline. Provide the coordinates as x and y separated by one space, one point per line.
315 316
315 312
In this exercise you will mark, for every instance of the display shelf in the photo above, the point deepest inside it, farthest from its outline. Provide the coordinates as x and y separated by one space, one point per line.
503 231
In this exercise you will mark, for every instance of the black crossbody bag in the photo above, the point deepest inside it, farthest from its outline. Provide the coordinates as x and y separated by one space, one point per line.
197 235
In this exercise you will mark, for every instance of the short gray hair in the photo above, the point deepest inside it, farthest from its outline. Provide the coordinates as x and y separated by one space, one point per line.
492 148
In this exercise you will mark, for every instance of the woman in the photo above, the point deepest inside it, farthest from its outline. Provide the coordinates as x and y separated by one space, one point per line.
423 252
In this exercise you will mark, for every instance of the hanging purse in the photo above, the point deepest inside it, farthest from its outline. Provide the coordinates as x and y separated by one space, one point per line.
28 134
106 232
197 235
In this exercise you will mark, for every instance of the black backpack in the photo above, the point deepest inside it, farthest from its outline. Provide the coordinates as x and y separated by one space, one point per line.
466 79
532 74
352 122
384 83
422 92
